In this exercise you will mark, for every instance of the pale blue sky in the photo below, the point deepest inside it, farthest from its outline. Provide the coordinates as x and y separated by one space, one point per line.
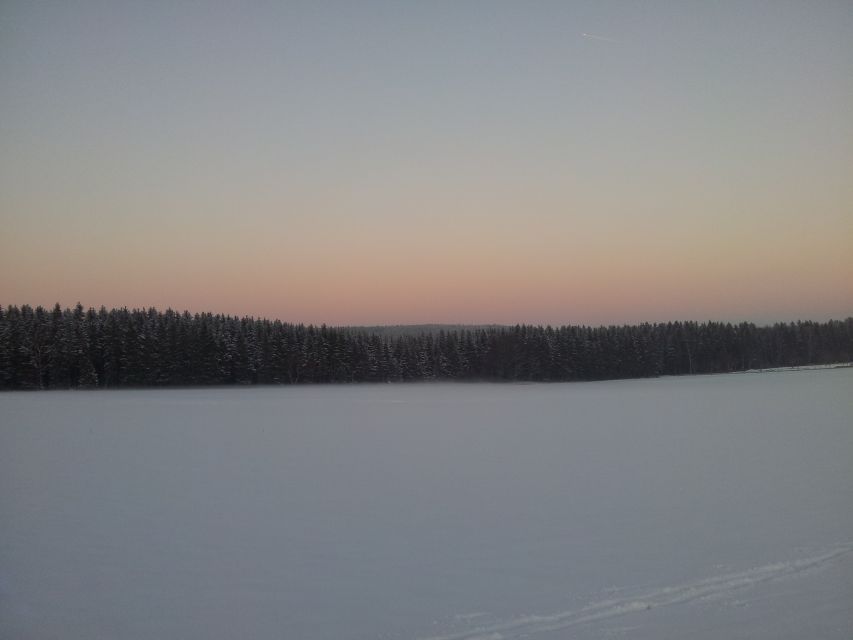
262 143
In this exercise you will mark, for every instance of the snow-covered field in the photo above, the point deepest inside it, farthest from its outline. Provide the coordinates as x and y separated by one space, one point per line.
694 507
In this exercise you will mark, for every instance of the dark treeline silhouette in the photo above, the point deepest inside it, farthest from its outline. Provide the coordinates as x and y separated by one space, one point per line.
70 348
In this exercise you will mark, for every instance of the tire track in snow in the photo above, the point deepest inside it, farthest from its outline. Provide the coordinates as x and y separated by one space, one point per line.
709 588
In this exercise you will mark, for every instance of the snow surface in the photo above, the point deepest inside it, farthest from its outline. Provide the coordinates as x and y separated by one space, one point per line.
700 507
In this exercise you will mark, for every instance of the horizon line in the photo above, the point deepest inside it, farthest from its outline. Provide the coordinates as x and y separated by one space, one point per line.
410 325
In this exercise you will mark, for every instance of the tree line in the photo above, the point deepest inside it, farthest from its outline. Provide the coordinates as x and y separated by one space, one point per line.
88 348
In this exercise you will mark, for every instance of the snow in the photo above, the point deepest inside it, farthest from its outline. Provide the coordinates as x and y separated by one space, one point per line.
805 367
701 507
707 590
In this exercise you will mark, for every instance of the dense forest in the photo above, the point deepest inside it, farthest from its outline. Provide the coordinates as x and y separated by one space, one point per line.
71 348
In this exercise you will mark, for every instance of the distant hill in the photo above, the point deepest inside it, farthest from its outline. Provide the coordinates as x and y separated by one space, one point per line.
397 330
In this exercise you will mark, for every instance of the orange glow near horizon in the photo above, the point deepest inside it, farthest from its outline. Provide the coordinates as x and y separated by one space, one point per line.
532 277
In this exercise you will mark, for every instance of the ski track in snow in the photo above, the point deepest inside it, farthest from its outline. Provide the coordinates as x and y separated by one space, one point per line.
707 589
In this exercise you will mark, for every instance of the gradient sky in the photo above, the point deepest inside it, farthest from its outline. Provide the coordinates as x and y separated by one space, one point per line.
381 163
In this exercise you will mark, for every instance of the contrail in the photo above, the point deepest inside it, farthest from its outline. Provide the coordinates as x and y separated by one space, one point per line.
592 36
